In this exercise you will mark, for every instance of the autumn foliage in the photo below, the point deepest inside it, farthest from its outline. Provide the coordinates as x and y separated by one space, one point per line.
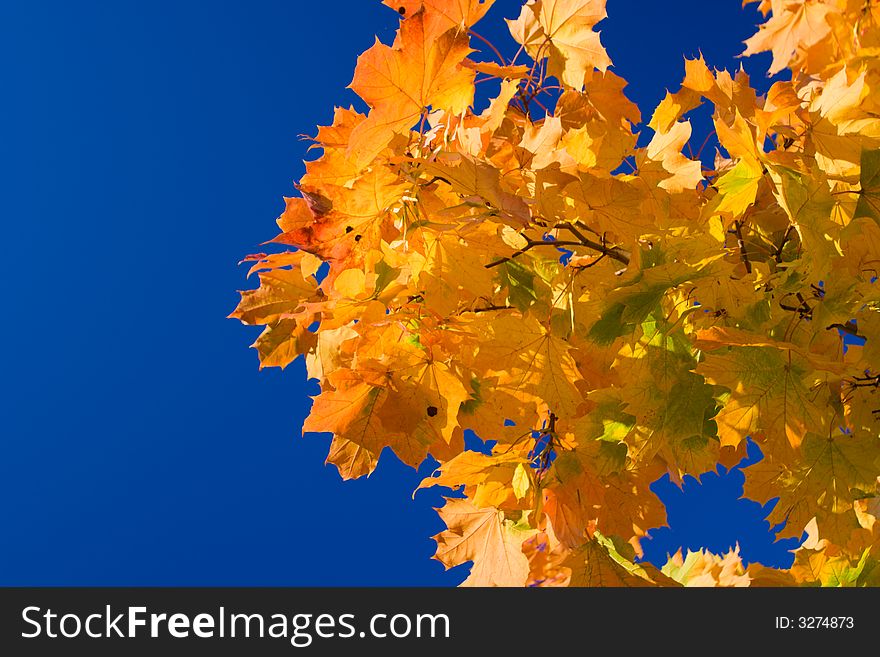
605 313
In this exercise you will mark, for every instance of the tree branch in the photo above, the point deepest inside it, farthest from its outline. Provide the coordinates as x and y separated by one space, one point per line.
614 252
743 253
531 244
849 328
491 46
777 254
487 309
595 262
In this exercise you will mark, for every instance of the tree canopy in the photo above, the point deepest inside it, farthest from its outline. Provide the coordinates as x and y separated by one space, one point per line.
604 312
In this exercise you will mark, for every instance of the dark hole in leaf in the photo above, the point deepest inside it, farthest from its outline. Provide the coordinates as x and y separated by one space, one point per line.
432 411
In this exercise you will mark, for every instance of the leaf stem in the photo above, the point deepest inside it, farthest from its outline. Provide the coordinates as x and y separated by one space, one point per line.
777 255
743 252
849 328
490 44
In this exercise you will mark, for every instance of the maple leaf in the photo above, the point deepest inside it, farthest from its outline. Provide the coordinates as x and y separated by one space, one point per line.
485 537
492 480
348 408
611 204
423 69
705 569
333 168
357 222
818 562
479 181
536 364
282 341
738 188
598 563
699 82
351 460
809 207
869 195
596 487
665 148
497 70
831 475
795 25
562 31
770 386
281 293
622 311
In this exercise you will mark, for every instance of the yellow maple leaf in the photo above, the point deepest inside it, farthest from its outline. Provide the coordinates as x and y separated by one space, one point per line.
487 538
795 26
423 69
561 30
704 569
665 148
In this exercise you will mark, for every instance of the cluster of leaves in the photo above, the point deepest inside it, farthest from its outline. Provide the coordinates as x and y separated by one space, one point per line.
605 313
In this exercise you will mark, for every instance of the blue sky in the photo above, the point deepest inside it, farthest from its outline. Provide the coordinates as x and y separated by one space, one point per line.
146 148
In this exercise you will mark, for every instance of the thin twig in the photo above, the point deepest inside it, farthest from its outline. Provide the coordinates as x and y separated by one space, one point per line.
542 106
592 264
487 309
703 145
743 253
615 253
517 54
777 255
530 245
491 45
849 328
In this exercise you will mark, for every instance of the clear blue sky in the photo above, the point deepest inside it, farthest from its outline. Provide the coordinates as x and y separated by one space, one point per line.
145 149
